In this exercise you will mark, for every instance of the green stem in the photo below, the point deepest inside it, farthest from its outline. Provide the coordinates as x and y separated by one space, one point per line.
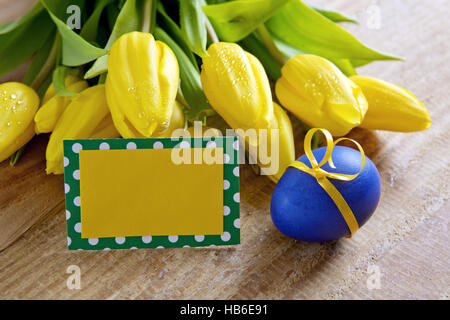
49 64
211 32
255 168
254 45
316 141
268 42
38 81
102 78
16 155
317 138
180 98
147 16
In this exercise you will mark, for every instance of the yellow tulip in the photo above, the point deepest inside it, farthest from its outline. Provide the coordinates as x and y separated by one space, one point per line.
391 107
286 142
105 129
141 85
50 111
285 145
176 121
206 132
51 91
236 85
18 104
319 94
87 116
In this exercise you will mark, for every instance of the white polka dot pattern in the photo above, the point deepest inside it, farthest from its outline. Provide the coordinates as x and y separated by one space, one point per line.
231 225
104 146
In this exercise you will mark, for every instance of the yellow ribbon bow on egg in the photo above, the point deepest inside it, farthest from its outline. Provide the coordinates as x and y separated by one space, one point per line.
322 176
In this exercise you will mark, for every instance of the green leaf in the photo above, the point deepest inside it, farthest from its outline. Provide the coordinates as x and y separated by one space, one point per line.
148 16
191 85
304 28
345 66
75 50
153 16
237 19
166 23
334 15
100 66
359 63
192 21
16 156
289 51
59 7
59 81
112 12
10 26
216 1
128 20
20 43
44 86
39 59
254 46
91 26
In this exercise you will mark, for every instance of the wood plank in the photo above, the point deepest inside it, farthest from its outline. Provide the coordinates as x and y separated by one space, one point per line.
406 238
26 192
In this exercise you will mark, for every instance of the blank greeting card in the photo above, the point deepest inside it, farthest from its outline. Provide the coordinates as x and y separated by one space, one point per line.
151 193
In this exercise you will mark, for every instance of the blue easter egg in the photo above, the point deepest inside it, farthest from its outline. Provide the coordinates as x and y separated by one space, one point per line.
301 208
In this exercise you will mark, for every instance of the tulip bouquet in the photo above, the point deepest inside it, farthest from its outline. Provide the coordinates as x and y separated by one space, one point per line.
143 68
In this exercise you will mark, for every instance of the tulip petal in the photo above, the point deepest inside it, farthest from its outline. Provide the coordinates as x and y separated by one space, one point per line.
142 84
319 94
176 121
48 114
18 106
237 87
286 145
79 121
391 107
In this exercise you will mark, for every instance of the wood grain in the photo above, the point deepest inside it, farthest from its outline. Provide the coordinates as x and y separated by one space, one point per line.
406 239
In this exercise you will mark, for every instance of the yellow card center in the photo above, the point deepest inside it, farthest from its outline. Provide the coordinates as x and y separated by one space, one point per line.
142 192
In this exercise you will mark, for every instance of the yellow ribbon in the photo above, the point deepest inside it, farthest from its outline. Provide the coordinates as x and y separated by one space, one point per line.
322 175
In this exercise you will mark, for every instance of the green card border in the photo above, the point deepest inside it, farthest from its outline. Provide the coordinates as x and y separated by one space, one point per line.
231 196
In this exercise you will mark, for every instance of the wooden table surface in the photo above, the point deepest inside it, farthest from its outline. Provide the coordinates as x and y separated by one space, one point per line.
406 240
